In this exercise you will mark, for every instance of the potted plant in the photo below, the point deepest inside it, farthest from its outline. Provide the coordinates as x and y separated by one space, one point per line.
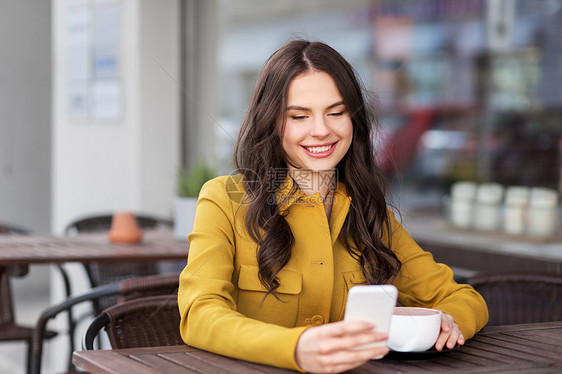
189 185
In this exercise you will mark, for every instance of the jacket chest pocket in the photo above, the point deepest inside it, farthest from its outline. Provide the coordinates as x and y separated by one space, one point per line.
251 293
350 279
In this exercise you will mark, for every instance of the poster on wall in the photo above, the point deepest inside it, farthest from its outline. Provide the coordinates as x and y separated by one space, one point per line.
93 79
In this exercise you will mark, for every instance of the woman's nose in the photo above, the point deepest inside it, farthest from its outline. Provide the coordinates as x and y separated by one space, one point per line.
320 128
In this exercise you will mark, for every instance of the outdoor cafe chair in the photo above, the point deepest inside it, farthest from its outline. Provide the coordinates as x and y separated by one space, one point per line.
9 329
8 228
124 291
145 322
107 273
113 272
520 298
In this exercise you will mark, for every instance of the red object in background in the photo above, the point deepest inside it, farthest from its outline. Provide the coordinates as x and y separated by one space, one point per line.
399 151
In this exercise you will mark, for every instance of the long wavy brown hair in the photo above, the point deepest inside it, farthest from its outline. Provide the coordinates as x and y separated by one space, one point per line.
259 150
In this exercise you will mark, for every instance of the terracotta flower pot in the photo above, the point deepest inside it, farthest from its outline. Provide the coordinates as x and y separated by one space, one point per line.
124 229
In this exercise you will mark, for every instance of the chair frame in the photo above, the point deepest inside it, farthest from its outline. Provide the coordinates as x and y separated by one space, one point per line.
112 315
8 228
51 312
9 329
128 289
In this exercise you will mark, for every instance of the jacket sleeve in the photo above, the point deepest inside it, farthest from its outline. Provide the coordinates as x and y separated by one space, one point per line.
209 316
424 283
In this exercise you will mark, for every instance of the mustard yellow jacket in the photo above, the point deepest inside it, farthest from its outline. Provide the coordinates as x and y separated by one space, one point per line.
221 298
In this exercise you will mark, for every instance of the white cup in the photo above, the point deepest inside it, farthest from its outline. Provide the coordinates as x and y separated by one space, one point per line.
489 193
463 190
486 217
461 213
413 329
514 219
517 196
487 209
543 198
542 213
516 201
462 202
542 222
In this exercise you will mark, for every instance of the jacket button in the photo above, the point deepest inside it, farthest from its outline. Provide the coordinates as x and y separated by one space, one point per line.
317 320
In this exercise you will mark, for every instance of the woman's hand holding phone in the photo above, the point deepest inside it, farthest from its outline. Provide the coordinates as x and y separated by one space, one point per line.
347 344
332 348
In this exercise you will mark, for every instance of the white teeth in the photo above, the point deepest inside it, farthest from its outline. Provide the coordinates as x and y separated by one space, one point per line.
318 149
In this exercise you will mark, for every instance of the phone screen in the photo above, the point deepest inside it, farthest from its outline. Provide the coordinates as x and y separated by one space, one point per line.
372 303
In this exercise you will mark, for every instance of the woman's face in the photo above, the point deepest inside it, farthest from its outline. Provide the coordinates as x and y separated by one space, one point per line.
318 128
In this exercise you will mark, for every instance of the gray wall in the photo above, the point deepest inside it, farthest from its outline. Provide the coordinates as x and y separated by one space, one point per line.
25 113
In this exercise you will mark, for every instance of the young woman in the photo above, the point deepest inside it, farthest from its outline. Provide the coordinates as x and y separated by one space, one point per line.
276 247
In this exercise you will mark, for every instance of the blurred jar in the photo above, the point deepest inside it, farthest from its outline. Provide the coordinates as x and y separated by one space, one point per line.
516 201
542 214
487 209
462 203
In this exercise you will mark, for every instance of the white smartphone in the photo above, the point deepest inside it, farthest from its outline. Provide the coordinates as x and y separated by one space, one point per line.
372 303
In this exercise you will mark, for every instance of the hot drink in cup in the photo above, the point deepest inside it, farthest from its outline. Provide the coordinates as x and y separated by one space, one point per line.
413 329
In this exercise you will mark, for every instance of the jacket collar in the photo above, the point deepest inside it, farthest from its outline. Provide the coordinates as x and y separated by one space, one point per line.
289 194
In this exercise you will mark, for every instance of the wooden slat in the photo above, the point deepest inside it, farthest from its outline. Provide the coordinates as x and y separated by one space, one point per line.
366 369
235 366
109 362
527 351
472 357
385 366
542 348
460 360
408 366
546 347
163 364
266 369
551 336
187 360
481 352
551 344
530 367
431 365
522 327
539 370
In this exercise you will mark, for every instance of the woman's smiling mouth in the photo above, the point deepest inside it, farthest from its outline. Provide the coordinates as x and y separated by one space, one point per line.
320 151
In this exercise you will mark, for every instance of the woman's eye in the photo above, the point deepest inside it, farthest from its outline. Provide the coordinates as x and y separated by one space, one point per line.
298 118
338 114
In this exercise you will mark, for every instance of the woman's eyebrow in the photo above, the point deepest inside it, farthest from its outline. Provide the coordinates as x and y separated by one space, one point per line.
336 104
296 107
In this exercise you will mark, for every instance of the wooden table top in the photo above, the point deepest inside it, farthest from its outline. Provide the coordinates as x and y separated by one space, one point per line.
23 249
529 348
